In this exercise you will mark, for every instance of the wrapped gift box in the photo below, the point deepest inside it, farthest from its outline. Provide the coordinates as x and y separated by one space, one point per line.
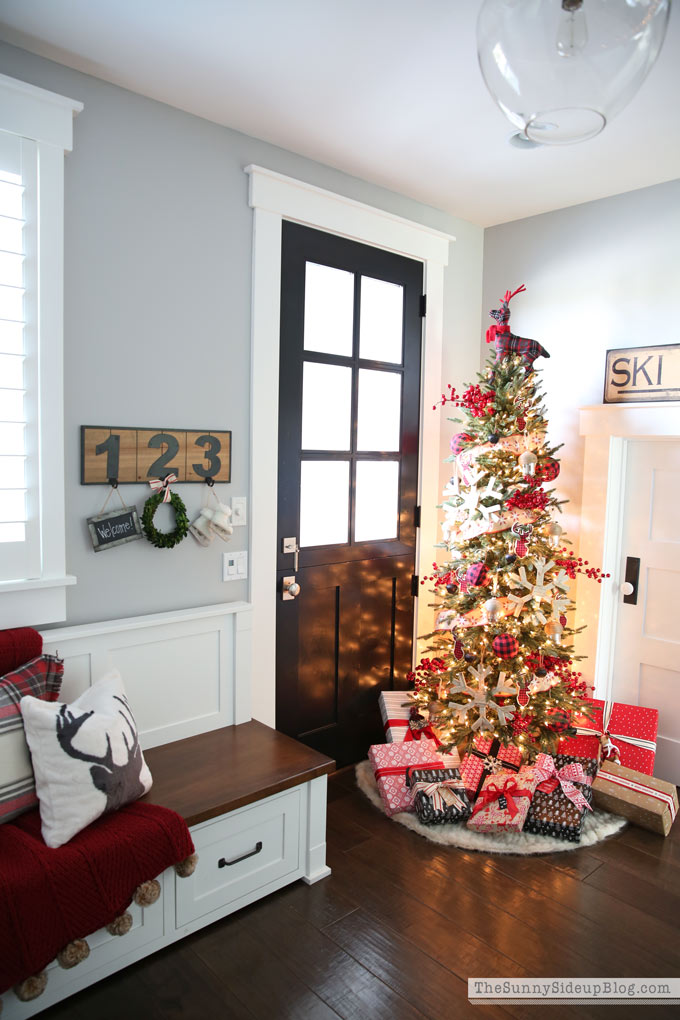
644 800
631 730
487 757
560 801
438 795
390 762
395 709
503 802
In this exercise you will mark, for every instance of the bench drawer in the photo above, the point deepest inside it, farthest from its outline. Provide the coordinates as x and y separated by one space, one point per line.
239 854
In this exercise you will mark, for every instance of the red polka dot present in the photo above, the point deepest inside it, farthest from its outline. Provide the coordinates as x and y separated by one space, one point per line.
617 732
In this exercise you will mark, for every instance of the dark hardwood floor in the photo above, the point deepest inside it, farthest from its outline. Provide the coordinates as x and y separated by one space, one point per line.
401 923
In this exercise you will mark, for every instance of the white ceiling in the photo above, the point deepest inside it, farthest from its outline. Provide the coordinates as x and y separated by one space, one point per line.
387 90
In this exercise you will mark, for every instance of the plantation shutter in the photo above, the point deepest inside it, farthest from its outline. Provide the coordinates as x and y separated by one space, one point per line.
19 405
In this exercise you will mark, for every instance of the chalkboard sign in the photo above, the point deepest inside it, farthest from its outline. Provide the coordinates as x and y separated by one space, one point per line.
114 528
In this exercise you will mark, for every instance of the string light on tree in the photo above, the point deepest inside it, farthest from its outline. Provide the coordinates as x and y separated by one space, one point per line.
503 592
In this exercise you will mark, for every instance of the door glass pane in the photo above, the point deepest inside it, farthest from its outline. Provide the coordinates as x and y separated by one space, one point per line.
377 500
379 420
329 309
381 320
326 406
324 502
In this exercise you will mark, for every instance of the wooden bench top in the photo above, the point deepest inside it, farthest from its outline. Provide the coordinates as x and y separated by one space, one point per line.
207 775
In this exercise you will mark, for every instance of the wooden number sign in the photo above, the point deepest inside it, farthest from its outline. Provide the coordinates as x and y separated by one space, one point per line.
136 455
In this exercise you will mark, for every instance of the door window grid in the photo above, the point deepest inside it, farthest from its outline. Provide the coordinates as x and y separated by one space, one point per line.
375 438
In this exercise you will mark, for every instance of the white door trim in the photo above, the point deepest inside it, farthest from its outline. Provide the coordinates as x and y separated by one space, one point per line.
608 429
275 197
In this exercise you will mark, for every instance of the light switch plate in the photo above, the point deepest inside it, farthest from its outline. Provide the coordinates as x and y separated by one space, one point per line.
238 510
235 566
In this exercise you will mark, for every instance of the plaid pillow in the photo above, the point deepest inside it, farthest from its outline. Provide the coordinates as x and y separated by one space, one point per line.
42 678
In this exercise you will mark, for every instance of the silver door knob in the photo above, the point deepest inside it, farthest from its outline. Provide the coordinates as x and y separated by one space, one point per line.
291 589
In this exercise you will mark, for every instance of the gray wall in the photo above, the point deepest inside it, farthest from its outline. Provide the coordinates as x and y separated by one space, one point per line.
157 311
600 275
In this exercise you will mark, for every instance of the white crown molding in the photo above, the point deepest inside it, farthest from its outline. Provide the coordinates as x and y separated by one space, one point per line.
305 203
36 113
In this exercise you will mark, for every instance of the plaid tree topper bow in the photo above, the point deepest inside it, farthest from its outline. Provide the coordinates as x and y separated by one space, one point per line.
508 343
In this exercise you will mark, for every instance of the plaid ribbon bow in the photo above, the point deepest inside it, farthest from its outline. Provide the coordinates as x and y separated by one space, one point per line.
497 788
442 793
550 777
163 485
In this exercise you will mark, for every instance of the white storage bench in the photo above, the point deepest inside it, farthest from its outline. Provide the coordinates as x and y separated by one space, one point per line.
255 801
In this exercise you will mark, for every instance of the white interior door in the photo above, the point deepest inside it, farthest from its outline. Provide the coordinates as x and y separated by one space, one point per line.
647 658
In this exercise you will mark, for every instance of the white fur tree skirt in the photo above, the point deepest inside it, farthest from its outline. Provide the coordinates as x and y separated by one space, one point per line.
596 827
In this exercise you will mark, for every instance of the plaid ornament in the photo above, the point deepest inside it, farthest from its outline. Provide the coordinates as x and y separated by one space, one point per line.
506 646
477 575
548 470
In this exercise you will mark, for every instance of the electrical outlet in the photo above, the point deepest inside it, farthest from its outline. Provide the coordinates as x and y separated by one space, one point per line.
235 566
238 510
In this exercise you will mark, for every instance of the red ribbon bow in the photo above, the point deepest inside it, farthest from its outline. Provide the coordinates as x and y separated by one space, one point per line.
550 777
508 788
163 484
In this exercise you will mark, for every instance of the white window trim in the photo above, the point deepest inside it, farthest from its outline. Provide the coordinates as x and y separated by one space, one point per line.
275 197
47 119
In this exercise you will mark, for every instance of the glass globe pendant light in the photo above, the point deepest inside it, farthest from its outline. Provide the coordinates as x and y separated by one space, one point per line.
561 69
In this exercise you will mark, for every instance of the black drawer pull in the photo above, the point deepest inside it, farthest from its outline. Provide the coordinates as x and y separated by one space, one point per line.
223 863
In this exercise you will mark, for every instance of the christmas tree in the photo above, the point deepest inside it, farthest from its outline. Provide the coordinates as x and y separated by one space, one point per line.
502 653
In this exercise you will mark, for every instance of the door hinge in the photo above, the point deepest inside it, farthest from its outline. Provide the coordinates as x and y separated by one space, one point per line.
414 585
416 517
423 305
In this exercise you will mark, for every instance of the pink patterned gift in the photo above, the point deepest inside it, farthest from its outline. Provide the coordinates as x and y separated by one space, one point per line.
504 802
390 761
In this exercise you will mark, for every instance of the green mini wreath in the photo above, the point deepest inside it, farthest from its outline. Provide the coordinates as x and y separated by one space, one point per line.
165 539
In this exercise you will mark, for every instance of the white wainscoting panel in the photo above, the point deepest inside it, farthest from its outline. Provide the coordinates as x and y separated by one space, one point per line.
185 672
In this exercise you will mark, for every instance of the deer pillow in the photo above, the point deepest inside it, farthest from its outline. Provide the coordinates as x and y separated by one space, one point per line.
86 757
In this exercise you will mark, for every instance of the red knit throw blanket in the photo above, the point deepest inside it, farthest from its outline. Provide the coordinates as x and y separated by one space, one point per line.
50 897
